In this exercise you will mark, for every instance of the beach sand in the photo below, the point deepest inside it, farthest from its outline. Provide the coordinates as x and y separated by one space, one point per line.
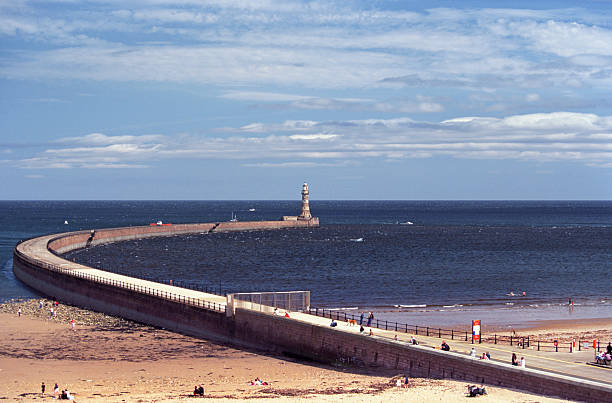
107 359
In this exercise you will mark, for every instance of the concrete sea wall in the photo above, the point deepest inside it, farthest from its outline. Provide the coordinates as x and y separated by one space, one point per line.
37 264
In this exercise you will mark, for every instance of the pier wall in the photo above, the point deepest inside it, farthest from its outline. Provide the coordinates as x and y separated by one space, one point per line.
270 332
332 345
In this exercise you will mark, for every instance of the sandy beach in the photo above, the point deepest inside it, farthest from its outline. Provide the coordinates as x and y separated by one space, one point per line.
109 359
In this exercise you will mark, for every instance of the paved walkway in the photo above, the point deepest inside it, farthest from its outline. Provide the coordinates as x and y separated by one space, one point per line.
570 364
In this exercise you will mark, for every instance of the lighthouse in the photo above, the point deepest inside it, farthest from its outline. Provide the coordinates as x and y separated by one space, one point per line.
305 219
305 214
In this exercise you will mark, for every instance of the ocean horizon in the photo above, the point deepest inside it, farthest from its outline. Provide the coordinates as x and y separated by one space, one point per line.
408 260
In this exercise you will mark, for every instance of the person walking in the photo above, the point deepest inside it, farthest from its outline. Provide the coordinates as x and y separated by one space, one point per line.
370 317
19 313
361 318
42 388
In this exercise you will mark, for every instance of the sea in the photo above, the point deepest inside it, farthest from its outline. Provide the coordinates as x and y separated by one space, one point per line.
433 263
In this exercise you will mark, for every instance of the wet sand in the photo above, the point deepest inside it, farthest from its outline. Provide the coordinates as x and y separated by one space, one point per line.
110 359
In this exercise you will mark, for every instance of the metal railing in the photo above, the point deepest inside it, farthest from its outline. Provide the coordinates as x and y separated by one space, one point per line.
196 302
515 341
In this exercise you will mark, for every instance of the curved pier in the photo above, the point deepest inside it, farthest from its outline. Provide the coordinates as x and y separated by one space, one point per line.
37 263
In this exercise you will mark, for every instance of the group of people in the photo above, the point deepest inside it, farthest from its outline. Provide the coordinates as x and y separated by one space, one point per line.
63 395
402 382
258 382
474 390
604 357
198 390
370 318
516 362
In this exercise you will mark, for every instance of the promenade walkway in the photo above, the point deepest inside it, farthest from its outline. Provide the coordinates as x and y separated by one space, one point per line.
569 364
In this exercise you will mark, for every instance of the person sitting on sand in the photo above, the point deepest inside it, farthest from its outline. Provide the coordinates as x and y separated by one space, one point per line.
413 340
484 357
371 332
444 346
201 390
361 329
609 348
333 323
474 390
488 356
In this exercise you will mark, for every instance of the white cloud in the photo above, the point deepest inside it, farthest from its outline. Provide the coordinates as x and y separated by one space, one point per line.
558 136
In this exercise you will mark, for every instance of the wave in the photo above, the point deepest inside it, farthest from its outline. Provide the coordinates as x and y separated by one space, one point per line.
350 308
410 306
356 240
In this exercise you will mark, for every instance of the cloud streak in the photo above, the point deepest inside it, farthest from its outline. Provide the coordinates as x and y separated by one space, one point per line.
559 136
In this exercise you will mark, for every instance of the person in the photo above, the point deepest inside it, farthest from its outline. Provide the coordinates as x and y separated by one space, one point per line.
361 329
42 388
398 383
371 332
69 396
522 362
514 360
40 304
444 346
72 323
474 390
484 357
19 312
361 318
333 323
195 390
406 381
524 294
413 340
287 314
395 337
55 390
275 311
488 356
473 352
609 348
370 317
51 312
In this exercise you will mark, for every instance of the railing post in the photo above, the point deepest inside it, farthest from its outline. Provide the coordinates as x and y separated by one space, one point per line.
439 333
416 330
406 327
452 334
511 340
386 328
495 338
427 330
538 345
466 336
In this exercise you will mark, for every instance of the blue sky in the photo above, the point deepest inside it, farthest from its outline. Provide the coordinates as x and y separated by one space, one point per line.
172 99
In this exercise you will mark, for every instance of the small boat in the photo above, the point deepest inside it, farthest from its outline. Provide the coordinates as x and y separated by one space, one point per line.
357 240
251 210
159 223
65 222
406 223
234 218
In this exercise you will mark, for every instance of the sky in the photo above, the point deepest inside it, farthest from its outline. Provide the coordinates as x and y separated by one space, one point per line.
246 100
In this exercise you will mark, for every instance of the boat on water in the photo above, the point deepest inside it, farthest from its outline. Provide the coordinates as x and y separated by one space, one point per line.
159 223
234 218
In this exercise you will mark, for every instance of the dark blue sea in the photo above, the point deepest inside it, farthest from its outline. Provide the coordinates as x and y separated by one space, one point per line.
423 259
